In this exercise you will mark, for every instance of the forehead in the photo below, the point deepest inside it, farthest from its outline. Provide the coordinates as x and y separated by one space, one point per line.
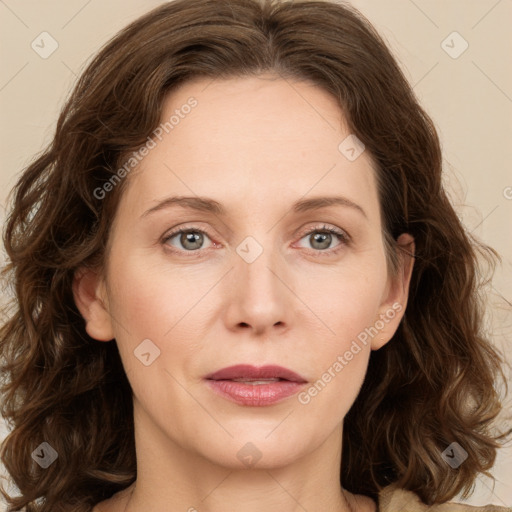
263 139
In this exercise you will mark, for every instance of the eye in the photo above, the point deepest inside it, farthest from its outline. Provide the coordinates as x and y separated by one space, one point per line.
190 239
322 238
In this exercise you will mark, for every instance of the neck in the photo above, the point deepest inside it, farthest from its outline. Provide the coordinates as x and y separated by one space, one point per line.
171 478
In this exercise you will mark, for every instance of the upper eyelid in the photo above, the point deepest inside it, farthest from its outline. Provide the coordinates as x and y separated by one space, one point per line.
196 227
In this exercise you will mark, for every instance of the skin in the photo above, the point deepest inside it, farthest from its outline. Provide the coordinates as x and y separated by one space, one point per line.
255 145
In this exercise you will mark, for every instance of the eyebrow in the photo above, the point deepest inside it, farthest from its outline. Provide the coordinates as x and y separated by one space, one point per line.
205 204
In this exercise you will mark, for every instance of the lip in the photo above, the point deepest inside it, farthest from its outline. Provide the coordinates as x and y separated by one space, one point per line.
255 395
248 371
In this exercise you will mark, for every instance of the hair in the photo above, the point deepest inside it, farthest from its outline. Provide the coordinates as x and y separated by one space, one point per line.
433 384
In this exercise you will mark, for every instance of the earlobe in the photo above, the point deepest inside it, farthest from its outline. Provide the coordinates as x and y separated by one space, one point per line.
394 303
89 294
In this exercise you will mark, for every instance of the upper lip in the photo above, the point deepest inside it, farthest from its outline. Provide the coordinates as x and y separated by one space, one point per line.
248 371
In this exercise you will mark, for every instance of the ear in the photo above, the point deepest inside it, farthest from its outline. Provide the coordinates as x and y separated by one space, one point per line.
394 301
90 295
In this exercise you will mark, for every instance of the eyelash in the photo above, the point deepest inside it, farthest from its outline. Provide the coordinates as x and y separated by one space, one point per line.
342 236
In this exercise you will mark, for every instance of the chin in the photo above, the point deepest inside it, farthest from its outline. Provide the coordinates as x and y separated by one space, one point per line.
256 451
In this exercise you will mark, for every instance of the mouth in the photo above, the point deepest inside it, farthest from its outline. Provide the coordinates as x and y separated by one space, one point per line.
255 382
248 385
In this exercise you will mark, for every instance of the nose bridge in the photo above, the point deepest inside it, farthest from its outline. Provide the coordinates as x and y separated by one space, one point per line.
256 259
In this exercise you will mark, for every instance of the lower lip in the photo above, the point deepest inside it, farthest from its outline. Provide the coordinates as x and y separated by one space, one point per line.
256 395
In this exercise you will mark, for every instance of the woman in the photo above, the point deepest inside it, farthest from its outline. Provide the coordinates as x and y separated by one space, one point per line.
239 282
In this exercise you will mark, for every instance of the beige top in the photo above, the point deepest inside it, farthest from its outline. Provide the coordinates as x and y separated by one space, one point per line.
392 499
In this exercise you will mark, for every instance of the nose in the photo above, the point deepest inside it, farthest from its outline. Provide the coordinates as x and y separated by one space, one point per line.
259 292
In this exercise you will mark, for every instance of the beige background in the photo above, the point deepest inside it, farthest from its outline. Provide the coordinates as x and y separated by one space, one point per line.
469 98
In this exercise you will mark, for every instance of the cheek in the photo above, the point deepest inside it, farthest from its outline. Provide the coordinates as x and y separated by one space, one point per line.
347 301
151 299
339 361
165 305
347 305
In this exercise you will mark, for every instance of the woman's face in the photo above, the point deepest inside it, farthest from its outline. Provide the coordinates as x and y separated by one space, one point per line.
256 281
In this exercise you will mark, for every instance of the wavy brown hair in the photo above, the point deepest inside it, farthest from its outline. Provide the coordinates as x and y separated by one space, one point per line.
433 384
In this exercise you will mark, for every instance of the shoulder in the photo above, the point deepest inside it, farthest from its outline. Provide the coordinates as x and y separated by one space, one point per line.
393 499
